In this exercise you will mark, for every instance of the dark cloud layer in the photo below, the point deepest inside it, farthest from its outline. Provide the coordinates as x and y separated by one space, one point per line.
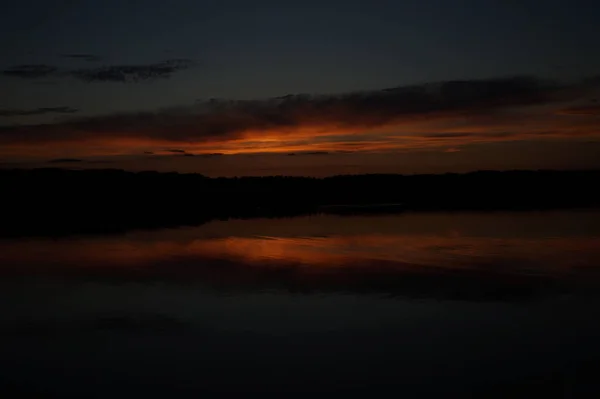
110 73
582 110
292 154
65 160
80 56
132 73
37 111
448 135
212 155
31 71
78 161
218 120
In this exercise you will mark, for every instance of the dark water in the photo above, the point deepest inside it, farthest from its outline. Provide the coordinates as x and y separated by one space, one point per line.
413 305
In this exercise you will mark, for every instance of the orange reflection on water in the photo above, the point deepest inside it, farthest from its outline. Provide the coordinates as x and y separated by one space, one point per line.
539 255
449 252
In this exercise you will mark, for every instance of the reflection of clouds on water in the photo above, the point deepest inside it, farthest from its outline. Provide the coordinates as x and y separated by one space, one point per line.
547 255
368 298
308 254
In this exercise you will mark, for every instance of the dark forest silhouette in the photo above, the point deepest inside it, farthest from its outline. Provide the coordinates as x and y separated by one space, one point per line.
53 201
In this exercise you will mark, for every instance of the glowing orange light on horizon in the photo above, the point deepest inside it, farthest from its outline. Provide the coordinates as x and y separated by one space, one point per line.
410 133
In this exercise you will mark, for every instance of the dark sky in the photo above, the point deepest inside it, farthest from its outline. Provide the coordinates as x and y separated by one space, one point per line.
109 80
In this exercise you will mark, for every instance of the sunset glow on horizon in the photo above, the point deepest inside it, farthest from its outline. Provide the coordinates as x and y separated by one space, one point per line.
80 138
136 105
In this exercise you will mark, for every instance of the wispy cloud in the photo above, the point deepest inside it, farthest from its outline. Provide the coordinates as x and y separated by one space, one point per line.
65 160
439 114
581 110
81 56
31 71
132 73
37 111
109 73
211 154
448 135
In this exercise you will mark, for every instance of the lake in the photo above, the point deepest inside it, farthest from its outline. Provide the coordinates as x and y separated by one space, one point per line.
413 304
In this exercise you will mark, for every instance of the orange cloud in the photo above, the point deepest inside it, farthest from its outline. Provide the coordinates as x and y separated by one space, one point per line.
446 114
582 110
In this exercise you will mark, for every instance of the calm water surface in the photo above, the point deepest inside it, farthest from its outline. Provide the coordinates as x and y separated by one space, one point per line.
426 305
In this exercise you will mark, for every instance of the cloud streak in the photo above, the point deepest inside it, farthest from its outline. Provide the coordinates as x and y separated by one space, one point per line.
448 113
581 110
37 111
112 73
31 71
132 73
82 57
65 160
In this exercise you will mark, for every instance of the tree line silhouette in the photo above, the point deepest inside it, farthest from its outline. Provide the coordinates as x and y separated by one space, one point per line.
54 201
